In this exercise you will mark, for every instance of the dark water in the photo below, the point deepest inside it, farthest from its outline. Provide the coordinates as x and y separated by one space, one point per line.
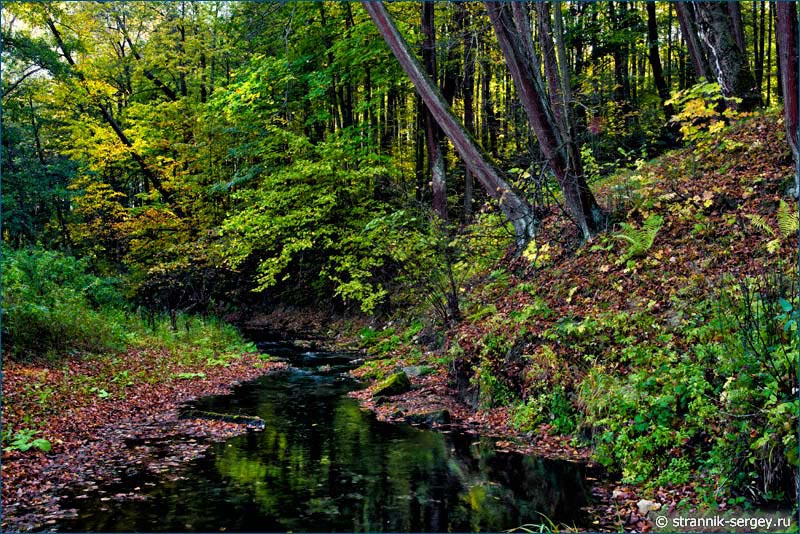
324 465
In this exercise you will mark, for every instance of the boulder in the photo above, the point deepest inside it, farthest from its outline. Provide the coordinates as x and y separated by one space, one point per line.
429 419
393 385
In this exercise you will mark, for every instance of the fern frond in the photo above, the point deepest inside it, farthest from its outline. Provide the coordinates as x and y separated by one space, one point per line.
759 222
639 239
787 220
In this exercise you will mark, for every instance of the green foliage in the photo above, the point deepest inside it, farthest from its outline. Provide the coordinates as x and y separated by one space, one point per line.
23 441
787 226
552 407
190 376
492 389
51 304
639 240
729 397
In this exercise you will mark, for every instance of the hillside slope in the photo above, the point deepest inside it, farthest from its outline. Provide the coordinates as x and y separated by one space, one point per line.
664 348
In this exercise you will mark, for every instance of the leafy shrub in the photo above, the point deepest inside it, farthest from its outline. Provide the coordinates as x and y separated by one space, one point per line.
729 398
23 441
552 407
51 304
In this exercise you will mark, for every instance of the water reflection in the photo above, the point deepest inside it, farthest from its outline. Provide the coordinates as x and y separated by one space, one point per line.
322 464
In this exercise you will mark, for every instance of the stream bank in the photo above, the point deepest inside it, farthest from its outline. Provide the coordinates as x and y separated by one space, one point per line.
99 442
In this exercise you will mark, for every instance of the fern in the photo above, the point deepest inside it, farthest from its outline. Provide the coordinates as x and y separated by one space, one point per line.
759 222
787 226
639 239
787 220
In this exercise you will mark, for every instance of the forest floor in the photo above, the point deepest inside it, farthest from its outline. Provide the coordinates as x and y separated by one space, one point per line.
98 432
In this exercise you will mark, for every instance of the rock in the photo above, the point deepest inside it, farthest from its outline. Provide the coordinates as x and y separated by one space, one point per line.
418 370
620 494
646 506
393 385
429 419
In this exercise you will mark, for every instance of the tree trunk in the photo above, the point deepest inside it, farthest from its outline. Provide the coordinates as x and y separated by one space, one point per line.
578 198
433 134
737 28
655 60
686 20
468 94
769 52
516 209
786 30
550 64
728 63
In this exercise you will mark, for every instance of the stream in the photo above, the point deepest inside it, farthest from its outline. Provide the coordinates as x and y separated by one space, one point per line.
324 465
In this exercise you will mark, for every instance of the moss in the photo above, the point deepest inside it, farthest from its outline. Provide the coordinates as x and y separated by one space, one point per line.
393 385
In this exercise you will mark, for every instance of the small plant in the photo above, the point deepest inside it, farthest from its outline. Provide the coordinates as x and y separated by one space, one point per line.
787 226
23 441
639 239
100 392
190 376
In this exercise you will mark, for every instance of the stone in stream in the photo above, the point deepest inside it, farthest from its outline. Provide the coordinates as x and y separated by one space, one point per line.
429 419
393 385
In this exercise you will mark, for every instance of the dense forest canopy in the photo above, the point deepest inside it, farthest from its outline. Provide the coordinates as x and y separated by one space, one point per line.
210 149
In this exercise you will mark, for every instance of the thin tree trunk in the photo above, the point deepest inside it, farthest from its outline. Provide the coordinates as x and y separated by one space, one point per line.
655 60
433 134
468 94
769 52
737 28
786 31
516 209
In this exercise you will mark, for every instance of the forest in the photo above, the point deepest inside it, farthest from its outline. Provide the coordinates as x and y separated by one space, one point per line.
403 266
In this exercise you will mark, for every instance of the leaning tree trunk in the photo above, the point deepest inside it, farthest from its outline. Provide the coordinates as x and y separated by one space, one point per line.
577 196
516 208
727 61
786 30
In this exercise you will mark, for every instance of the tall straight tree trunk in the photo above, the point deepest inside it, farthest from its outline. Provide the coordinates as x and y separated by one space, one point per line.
729 65
737 27
787 33
655 60
686 20
433 134
669 45
769 52
489 119
515 207
580 202
468 94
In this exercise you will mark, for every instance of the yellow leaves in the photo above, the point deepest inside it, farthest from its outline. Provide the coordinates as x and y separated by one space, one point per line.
708 199
538 255
571 294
